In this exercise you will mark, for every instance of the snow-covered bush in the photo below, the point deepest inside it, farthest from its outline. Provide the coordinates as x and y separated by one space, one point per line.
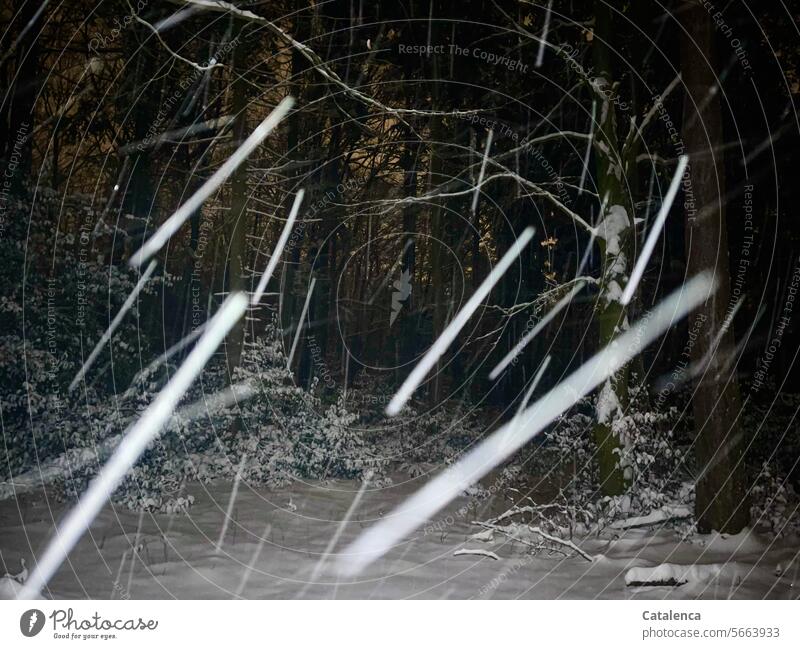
283 432
775 503
658 479
773 461
53 310
59 294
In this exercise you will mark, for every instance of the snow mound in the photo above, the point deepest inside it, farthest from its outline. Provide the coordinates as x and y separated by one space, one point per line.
671 574
476 552
9 588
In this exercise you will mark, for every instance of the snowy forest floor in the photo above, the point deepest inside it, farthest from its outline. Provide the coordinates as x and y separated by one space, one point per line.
177 555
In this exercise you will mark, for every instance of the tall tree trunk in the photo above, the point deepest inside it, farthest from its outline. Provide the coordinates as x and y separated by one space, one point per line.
16 140
614 238
409 329
237 227
721 500
438 236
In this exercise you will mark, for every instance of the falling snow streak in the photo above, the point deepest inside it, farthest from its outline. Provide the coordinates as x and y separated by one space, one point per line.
588 148
334 539
174 222
531 389
300 324
477 193
451 331
560 305
543 40
276 254
587 253
136 440
508 438
253 560
231 501
113 326
178 17
658 224
534 383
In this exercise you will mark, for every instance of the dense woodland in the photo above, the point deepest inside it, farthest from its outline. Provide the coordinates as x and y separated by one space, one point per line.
571 120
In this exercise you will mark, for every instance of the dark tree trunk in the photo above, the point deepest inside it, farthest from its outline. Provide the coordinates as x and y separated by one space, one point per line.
17 143
614 241
237 227
721 499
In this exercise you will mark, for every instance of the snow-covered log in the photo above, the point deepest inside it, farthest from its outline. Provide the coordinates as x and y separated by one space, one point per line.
671 574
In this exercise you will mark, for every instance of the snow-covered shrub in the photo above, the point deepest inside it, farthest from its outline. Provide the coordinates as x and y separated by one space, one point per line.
284 433
59 294
55 308
423 442
775 503
569 453
773 452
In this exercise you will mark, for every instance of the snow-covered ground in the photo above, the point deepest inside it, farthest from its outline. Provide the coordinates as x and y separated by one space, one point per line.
177 555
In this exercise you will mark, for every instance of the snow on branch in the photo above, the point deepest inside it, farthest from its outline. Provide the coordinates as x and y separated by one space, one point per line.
662 515
513 531
215 124
173 53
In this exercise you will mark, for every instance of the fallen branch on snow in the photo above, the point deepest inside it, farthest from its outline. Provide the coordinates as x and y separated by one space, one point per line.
666 513
513 533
